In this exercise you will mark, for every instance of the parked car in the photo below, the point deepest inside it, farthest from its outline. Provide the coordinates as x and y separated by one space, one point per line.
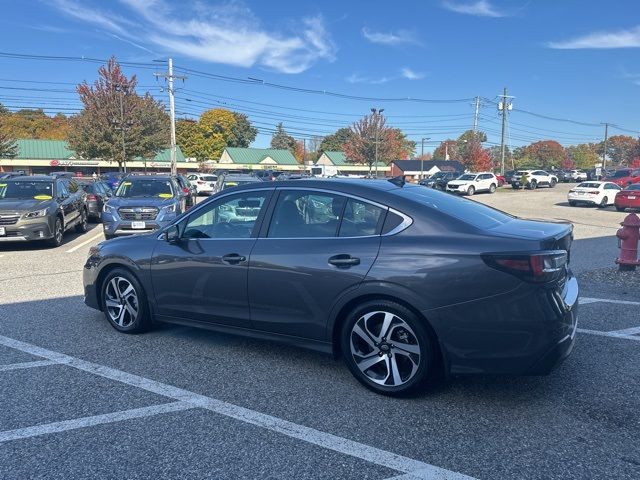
113 179
40 207
142 203
234 180
471 183
577 175
204 183
601 194
533 179
188 191
98 192
508 176
624 177
343 244
5 175
439 180
628 198
561 175
501 180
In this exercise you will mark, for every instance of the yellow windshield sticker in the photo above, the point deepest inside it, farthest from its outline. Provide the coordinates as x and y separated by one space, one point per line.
42 197
3 184
232 184
165 195
126 184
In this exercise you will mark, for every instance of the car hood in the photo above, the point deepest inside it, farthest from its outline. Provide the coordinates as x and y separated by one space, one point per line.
23 205
118 202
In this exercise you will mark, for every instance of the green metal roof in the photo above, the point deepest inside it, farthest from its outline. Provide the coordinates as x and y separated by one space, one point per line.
339 159
253 156
32 149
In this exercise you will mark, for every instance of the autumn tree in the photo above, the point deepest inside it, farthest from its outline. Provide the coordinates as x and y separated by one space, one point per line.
620 149
447 149
475 157
282 140
568 164
496 157
8 147
361 146
299 152
35 124
544 154
335 142
467 137
583 155
113 110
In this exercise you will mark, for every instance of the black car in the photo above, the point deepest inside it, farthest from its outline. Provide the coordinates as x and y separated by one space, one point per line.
402 281
440 180
509 176
190 192
5 175
40 207
98 193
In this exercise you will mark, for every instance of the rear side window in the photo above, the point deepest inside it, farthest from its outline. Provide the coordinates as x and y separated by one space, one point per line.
360 219
302 214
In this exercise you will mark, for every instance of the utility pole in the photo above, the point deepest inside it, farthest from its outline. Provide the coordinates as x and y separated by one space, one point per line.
504 106
170 77
604 151
476 114
422 157
376 119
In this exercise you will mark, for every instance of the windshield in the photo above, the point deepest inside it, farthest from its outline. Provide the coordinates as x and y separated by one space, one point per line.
635 186
438 175
467 177
25 190
589 185
145 188
621 173
209 178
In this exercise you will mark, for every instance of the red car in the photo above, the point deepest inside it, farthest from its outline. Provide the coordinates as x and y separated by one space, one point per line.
624 177
628 198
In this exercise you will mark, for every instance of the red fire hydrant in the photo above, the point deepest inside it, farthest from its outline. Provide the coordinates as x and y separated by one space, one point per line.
628 237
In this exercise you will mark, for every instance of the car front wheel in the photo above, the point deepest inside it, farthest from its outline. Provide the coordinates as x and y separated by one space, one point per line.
492 188
82 227
387 348
471 190
124 302
553 183
58 233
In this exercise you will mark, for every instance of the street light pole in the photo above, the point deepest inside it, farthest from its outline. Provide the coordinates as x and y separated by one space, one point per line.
422 157
376 118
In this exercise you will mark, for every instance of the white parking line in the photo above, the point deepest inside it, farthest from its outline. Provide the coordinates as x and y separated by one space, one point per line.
22 365
83 422
71 250
329 441
608 334
585 300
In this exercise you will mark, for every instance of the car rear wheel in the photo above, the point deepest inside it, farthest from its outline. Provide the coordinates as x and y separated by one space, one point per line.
604 203
471 190
573 204
492 188
621 209
124 302
82 227
387 348
58 234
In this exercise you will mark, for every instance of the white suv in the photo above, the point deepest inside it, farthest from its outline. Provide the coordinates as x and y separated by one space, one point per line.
577 175
203 182
533 179
470 183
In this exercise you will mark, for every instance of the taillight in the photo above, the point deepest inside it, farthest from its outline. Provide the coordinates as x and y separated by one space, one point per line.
542 266
572 191
91 197
593 192
185 190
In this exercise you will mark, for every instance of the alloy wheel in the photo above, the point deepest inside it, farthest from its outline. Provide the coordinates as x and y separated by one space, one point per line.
385 348
58 232
121 301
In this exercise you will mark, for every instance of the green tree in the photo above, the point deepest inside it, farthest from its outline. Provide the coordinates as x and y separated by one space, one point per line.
495 153
282 140
584 155
8 147
336 141
111 107
621 149
242 131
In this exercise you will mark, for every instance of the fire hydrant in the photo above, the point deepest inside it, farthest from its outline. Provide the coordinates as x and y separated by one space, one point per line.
628 237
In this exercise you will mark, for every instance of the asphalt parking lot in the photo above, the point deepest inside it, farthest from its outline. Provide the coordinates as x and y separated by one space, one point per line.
81 400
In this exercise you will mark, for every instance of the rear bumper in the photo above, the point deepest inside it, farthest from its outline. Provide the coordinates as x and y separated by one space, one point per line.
528 331
626 203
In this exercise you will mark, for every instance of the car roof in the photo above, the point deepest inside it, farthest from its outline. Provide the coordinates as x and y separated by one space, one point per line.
32 178
240 177
355 186
147 177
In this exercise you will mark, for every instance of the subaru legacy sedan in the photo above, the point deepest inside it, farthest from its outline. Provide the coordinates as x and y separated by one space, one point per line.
404 282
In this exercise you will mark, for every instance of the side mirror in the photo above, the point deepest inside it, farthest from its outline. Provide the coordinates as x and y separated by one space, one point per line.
172 234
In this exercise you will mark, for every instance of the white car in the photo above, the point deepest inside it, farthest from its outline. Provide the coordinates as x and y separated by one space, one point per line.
601 194
203 182
578 176
534 179
470 183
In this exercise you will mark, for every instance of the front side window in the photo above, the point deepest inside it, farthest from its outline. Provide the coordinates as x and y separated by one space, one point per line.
303 214
230 217
62 189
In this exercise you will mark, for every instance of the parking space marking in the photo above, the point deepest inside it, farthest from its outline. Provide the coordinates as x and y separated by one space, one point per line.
71 250
23 365
586 300
83 422
421 470
608 334
627 331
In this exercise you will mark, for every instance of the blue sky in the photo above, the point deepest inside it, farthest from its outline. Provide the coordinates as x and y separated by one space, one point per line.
571 59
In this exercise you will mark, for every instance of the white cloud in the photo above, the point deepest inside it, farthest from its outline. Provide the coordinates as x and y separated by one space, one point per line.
480 8
409 74
227 33
356 78
390 38
620 39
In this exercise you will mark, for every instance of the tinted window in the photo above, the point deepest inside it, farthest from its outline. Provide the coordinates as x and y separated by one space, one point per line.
621 174
360 219
300 214
62 188
467 177
468 211
230 217
143 187
391 221
589 185
635 186
24 190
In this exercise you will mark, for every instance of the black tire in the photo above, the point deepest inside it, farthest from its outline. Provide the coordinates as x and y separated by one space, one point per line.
130 323
471 190
58 234
573 204
82 227
604 202
620 209
417 336
492 188
533 185
553 183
